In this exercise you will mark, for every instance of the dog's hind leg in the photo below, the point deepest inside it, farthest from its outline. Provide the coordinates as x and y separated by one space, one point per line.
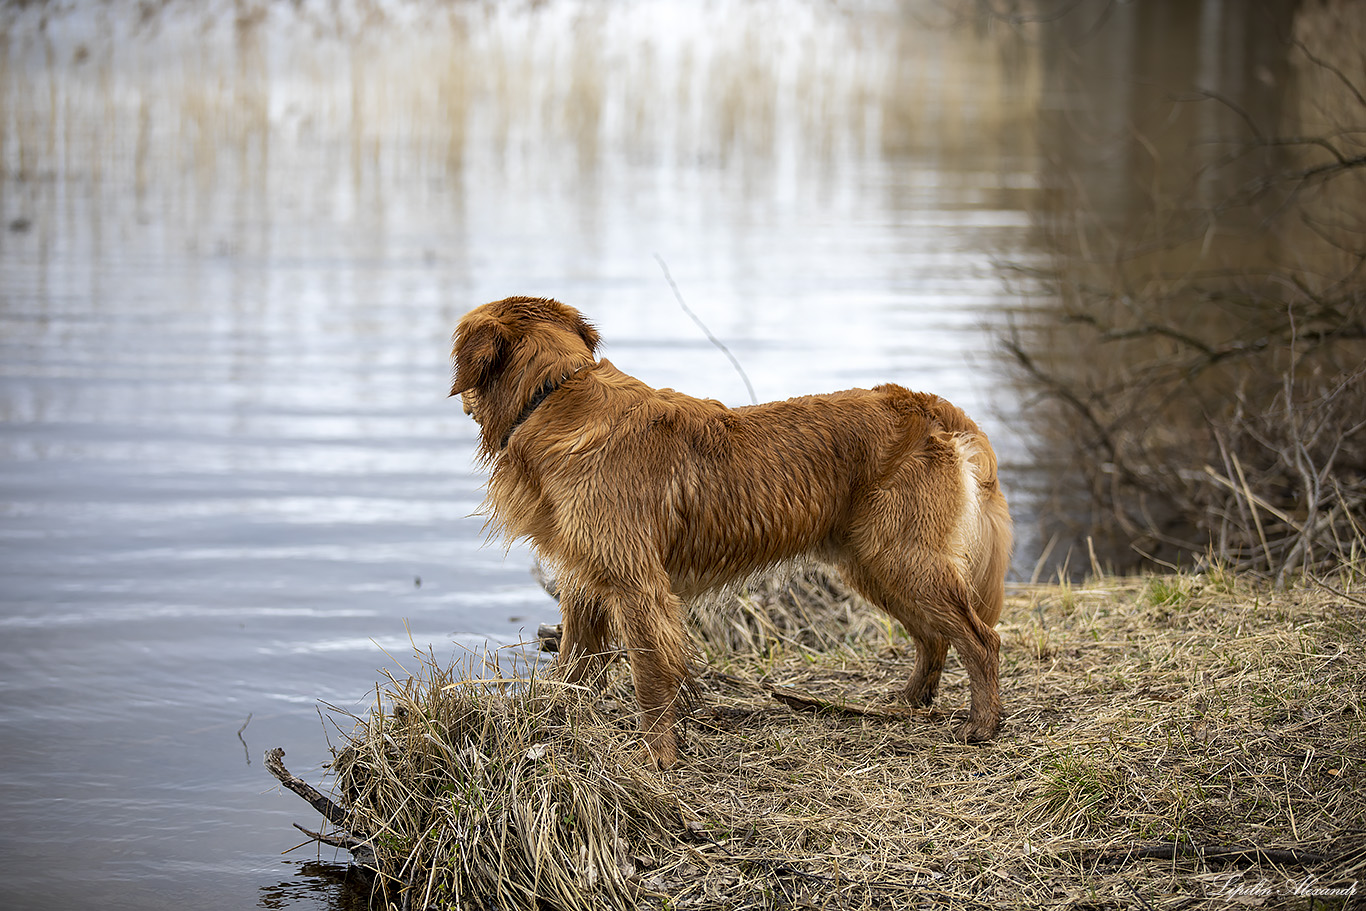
979 646
930 652
934 604
947 608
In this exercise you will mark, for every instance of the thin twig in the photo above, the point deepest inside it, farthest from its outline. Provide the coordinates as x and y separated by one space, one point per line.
678 295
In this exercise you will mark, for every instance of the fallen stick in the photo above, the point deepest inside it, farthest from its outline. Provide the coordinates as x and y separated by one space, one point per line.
1214 854
549 636
810 703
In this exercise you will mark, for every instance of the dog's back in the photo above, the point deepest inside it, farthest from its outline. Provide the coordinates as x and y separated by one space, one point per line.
813 478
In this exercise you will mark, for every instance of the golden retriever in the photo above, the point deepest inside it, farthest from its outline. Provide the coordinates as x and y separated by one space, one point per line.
640 498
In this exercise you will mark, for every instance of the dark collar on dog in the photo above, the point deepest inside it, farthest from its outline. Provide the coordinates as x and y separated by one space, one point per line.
546 390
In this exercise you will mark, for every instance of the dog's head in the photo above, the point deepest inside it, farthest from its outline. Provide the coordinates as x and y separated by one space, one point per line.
506 351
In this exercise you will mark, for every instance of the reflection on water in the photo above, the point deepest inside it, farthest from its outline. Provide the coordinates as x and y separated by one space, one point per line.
234 240
331 885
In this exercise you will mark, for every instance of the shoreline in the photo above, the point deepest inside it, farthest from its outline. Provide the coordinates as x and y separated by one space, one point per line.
1168 740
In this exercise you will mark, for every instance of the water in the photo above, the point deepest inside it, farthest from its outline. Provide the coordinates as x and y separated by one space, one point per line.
235 241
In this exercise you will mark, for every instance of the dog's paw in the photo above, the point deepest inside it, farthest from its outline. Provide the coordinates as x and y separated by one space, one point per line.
978 730
659 753
657 763
919 695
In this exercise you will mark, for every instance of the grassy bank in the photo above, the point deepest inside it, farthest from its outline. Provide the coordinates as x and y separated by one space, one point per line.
1169 742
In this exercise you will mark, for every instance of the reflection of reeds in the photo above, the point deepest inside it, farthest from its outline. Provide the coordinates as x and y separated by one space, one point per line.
228 98
1160 734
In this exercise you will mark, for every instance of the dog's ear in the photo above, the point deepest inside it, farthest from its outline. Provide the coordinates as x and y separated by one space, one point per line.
588 334
479 352
573 320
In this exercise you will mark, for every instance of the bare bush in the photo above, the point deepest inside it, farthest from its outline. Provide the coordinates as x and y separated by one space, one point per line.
1206 373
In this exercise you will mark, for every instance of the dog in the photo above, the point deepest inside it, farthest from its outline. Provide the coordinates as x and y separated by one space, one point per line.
640 499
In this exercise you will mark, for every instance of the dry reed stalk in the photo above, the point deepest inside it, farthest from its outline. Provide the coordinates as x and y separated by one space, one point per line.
1169 741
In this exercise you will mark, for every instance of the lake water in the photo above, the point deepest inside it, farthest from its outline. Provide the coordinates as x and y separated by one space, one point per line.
234 242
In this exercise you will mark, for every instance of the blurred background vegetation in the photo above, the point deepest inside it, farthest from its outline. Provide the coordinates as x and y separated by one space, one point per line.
1200 357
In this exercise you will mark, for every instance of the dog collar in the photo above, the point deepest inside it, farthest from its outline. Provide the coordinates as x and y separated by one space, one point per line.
546 390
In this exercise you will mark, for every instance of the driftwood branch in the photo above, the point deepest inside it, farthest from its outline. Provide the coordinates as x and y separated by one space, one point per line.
360 849
549 634
318 800
345 838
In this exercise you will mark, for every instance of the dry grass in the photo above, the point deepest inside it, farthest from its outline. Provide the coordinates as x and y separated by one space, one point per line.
1170 742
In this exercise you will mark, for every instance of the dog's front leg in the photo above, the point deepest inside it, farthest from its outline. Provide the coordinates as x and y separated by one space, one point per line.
656 647
583 638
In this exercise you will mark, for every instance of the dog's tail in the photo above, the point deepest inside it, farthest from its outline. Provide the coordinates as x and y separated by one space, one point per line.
983 537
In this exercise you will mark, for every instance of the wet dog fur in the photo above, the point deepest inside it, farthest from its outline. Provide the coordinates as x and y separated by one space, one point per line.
640 499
